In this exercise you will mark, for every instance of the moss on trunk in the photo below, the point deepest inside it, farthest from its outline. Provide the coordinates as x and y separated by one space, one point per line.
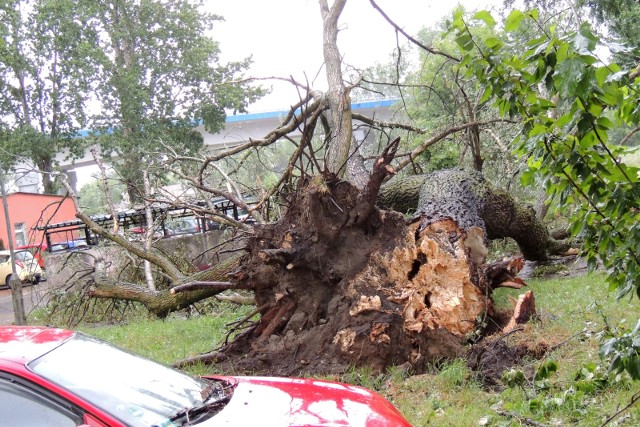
470 200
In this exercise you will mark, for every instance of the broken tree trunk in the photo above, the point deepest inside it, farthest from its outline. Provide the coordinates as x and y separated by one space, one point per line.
334 292
468 198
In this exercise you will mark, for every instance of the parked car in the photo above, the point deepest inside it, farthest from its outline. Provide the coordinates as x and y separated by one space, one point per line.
27 267
37 250
138 232
182 226
67 378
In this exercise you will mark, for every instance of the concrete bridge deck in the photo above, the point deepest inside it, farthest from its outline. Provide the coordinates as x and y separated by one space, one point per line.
243 127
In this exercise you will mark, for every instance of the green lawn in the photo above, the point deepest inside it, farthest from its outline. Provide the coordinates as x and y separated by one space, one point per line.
572 315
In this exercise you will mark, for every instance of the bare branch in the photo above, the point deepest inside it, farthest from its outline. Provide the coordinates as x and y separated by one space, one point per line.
410 38
105 188
288 125
221 286
167 266
442 135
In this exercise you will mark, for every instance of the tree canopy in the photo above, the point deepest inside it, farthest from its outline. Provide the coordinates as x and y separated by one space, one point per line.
140 75
564 136
45 80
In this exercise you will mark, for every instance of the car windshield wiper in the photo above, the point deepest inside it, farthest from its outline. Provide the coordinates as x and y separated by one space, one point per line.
191 414
214 398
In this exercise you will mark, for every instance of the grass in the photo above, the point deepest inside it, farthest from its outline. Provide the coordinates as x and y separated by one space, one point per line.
572 311
172 339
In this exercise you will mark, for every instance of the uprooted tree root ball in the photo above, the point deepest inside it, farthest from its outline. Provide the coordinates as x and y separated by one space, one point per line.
334 289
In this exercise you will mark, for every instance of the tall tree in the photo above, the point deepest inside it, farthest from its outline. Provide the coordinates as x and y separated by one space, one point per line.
161 76
45 80
621 19
616 19
339 97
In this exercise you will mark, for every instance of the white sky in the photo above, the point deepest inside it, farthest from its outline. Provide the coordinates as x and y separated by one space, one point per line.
285 39
285 36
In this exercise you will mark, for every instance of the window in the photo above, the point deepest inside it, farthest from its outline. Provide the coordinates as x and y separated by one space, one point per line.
24 407
21 233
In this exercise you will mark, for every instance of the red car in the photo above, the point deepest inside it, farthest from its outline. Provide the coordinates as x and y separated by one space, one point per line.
57 377
37 250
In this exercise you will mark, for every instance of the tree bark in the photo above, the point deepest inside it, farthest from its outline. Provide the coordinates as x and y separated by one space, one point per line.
467 197
338 94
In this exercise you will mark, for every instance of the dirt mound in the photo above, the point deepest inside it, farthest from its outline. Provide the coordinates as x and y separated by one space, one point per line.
335 289
490 358
340 283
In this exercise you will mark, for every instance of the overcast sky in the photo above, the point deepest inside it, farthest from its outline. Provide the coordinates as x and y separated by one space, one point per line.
285 36
285 39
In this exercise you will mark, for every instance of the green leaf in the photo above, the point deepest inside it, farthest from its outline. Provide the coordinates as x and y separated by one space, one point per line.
513 21
568 75
535 405
537 130
546 369
562 52
585 41
513 378
465 41
604 123
617 76
595 109
486 95
601 75
633 368
528 177
564 120
493 43
486 17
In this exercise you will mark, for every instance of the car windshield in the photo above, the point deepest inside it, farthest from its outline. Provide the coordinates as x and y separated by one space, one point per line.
134 389
24 256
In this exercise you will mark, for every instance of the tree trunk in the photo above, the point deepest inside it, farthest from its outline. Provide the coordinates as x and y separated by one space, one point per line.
338 95
467 197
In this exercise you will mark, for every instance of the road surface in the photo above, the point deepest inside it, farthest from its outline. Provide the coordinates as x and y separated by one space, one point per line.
33 296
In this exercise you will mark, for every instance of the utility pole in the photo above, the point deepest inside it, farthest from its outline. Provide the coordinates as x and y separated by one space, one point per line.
14 281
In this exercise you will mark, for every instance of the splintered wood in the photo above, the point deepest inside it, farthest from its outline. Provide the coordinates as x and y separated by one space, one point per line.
430 281
440 292
524 310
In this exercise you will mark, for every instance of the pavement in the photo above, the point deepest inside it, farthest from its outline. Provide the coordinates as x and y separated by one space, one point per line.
32 295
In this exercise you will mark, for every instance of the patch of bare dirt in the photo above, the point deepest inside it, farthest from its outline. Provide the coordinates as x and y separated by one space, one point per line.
490 358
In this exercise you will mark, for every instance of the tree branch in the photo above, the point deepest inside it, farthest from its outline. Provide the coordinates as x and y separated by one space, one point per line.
411 39
196 285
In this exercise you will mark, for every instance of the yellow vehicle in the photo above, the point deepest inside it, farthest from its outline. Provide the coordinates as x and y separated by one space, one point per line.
27 267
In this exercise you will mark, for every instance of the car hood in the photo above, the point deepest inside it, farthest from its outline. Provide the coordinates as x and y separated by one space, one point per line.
304 402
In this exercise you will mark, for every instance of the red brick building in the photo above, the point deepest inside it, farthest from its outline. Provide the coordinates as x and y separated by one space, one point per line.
30 210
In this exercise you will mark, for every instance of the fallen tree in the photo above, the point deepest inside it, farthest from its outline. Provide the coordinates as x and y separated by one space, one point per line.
467 197
337 288
337 280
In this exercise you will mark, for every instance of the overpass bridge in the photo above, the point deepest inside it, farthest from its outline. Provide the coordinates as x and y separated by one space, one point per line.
238 128
241 128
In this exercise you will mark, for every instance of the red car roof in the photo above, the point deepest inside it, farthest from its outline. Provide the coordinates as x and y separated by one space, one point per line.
25 343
